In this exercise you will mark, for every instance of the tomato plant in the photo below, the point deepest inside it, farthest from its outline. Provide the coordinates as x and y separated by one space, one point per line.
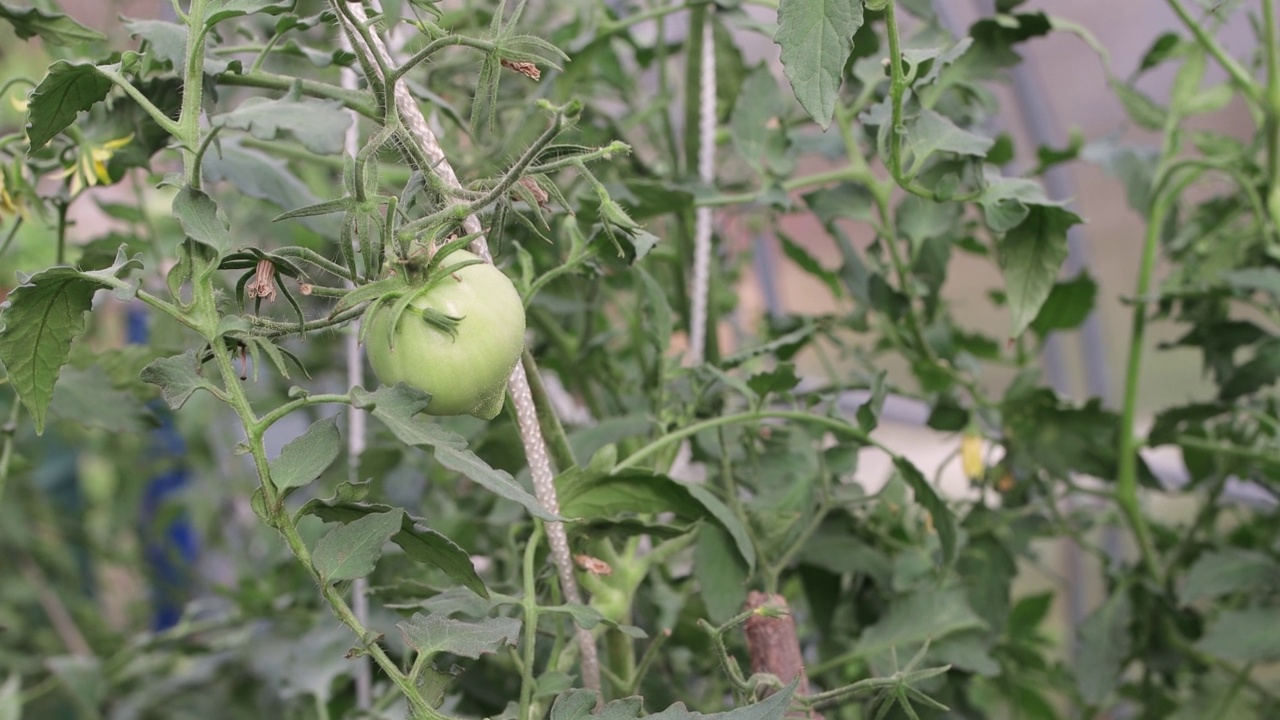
458 341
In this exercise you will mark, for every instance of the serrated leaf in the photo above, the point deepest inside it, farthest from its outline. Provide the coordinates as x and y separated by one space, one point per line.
201 219
41 317
1244 636
307 456
178 377
797 254
1227 571
913 619
816 37
351 551
320 125
88 397
435 633
1104 645
498 482
932 132
1068 305
52 27
227 9
581 705
66 90
398 408
420 543
1031 256
944 520
261 176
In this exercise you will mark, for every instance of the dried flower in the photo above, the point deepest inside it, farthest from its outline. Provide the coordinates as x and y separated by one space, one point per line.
527 69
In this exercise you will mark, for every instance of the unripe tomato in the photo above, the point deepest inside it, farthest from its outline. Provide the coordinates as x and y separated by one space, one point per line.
466 373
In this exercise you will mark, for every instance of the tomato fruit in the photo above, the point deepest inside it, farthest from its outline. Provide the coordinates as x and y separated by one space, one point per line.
466 370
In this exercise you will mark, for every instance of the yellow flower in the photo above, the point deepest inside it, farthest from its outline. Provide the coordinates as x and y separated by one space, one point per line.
971 456
91 164
10 205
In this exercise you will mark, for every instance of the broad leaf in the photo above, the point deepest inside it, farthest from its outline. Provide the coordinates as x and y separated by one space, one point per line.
41 317
350 551
1104 645
52 27
721 575
201 219
436 633
305 457
1227 571
399 407
581 705
1068 305
88 397
1244 636
913 619
227 9
420 543
321 126
178 377
1031 256
943 519
67 90
932 132
816 37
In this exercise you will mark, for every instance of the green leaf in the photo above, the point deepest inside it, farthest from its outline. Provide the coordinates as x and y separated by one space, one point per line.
320 125
227 9
420 543
581 705
1262 370
781 379
41 317
797 254
1244 636
436 633
350 551
1227 571
868 413
1144 111
916 618
1031 256
261 176
307 456
932 132
943 519
201 219
1104 645
88 397
178 377
52 27
1006 201
816 37
68 89
720 572
756 116
1068 305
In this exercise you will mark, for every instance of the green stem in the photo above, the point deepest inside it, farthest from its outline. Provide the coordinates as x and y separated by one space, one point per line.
1242 78
530 609
798 183
351 99
280 412
1272 108
187 130
9 430
1127 474
836 426
281 520
143 101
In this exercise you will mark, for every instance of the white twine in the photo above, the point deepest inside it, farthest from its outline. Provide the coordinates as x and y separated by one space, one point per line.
702 222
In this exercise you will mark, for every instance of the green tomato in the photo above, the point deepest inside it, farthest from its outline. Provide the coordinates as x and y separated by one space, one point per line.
465 373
